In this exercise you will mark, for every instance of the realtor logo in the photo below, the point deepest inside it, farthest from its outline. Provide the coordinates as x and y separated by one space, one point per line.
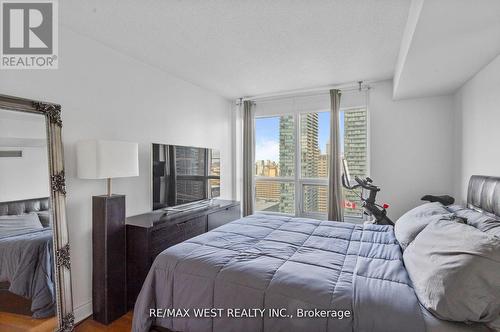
29 34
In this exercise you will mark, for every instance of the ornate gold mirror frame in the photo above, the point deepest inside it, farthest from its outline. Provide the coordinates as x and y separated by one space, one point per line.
53 123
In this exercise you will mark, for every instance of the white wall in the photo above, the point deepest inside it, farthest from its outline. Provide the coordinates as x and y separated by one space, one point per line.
27 176
411 146
107 95
477 119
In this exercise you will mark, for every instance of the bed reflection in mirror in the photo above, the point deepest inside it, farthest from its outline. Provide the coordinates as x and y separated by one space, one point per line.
27 291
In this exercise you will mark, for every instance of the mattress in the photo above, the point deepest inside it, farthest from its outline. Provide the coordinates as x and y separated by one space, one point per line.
346 277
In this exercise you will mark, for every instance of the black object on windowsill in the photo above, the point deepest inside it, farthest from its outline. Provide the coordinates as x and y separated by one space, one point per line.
443 199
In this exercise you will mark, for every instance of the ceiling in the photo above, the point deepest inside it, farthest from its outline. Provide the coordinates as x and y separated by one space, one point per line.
239 48
445 43
243 48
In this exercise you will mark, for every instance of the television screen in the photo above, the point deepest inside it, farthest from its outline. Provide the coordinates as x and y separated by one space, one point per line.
184 174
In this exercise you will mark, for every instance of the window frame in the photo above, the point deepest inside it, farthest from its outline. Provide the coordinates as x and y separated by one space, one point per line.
299 181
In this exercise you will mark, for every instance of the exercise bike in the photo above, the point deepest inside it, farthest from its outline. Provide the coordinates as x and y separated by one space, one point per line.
371 208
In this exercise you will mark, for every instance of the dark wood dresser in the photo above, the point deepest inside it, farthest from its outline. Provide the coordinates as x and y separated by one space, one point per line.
150 233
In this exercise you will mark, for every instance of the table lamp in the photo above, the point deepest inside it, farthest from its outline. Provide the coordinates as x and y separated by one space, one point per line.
100 159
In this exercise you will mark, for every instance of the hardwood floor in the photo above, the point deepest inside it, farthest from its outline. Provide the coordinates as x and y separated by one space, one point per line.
22 323
122 324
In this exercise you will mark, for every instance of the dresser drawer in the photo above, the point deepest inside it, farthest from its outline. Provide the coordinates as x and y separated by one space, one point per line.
175 233
224 216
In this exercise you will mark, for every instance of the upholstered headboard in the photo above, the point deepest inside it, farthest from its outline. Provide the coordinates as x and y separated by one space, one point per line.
484 194
38 205
24 206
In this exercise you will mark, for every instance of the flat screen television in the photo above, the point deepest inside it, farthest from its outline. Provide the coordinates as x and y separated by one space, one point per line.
184 174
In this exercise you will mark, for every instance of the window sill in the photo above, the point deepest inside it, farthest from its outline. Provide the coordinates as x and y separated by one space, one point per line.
352 220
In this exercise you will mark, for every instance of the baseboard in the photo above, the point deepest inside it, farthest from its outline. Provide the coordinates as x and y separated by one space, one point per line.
83 311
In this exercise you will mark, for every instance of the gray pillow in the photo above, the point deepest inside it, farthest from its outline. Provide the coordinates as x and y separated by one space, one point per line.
19 224
495 325
44 217
455 207
455 271
414 221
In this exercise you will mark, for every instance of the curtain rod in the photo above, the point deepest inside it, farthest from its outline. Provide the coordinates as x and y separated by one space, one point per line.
360 86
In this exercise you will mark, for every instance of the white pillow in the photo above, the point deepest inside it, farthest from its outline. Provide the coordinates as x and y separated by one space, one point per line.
455 271
17 224
414 221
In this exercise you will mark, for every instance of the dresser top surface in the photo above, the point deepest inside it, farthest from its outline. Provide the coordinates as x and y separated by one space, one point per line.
148 219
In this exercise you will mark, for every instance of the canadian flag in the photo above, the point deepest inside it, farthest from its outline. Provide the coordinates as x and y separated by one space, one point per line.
349 205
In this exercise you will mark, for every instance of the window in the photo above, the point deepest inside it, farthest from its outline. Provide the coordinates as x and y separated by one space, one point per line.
291 161
197 173
275 164
275 196
315 198
214 173
354 147
314 141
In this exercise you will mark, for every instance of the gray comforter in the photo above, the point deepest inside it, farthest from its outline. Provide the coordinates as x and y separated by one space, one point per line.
26 263
350 276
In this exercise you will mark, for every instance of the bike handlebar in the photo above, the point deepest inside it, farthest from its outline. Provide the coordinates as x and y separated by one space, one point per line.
347 185
366 184
363 183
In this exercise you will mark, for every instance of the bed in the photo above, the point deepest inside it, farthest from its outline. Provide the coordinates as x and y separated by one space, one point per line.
276 273
26 262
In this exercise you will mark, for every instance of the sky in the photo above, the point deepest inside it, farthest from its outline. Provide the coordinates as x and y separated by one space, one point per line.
267 135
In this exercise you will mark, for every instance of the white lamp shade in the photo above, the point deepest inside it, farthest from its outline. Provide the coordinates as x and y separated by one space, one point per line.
100 159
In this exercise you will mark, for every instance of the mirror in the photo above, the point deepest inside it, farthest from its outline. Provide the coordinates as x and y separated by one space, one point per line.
35 284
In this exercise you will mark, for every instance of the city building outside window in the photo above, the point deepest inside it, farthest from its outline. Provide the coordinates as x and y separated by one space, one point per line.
291 162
